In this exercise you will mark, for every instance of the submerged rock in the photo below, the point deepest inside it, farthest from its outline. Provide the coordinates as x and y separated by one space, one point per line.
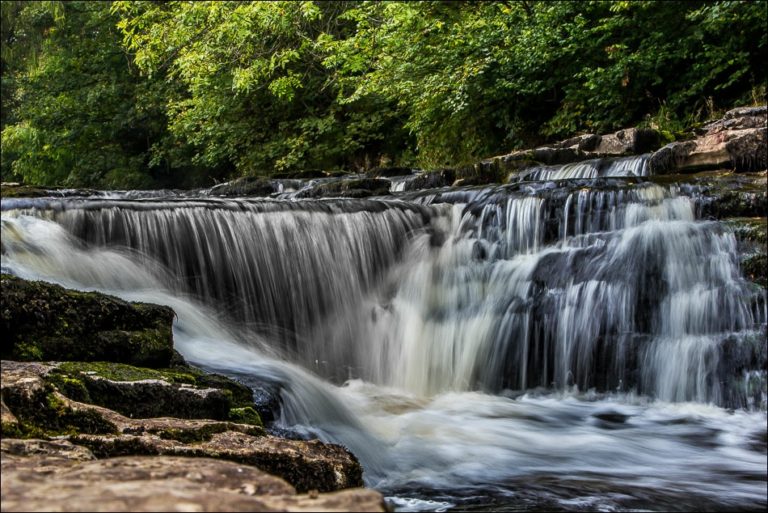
43 321
41 476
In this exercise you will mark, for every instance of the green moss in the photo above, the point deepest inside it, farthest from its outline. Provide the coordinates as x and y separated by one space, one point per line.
187 436
48 416
71 387
242 395
11 430
205 432
123 372
245 415
43 321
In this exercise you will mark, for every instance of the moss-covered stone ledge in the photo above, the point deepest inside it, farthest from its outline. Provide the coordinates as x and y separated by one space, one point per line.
43 321
35 408
184 392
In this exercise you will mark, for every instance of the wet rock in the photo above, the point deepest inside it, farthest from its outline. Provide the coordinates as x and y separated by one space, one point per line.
743 369
57 476
730 195
474 180
723 194
431 180
132 391
16 190
388 172
748 149
43 321
751 232
358 188
245 186
671 158
554 156
755 269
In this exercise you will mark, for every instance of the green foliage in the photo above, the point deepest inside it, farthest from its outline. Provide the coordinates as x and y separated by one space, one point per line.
254 92
81 117
139 94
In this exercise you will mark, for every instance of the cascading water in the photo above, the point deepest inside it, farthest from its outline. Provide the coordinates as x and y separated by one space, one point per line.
545 345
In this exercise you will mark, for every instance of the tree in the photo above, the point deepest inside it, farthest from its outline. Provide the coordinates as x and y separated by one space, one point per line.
82 116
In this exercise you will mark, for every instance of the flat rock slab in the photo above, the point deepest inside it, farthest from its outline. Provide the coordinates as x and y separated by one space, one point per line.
58 476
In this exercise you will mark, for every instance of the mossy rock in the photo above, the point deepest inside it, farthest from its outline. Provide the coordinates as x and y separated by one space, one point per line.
188 435
143 392
245 415
40 413
43 321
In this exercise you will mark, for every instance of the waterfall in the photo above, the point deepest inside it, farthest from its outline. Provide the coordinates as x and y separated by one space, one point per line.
618 289
544 335
594 168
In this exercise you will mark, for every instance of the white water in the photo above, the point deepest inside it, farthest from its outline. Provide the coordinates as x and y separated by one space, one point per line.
627 166
430 332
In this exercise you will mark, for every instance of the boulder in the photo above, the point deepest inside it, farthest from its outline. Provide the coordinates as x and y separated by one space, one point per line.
630 141
43 321
59 476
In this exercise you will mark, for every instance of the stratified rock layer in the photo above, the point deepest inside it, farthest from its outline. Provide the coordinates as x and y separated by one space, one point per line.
39 475
42 409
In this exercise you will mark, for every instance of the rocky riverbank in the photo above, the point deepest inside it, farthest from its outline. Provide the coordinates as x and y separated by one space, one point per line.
100 413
